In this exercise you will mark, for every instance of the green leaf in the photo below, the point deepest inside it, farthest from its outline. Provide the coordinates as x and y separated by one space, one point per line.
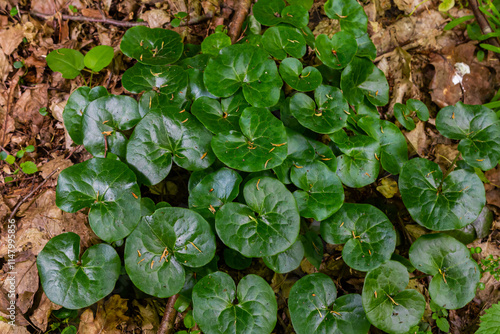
402 114
108 187
18 64
3 155
351 15
75 108
393 146
69 329
453 205
287 260
266 91
456 274
327 115
99 57
369 237
455 22
307 4
164 135
295 15
13 11
362 78
443 324
152 46
273 12
366 48
322 190
419 107
162 245
388 305
490 321
214 43
43 111
298 77
67 61
29 167
153 100
195 67
214 190
30 148
478 229
313 248
338 51
446 5
105 119
219 308
261 144
267 225
220 116
236 260
477 128
20 154
10 159
62 271
175 23
165 79
357 166
282 40
189 320
315 308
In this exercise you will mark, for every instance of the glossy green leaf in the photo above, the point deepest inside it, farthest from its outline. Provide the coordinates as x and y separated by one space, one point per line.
162 244
315 308
388 305
419 107
109 188
322 190
236 260
295 15
477 128
267 225
313 248
220 308
402 114
351 15
164 135
287 260
62 271
358 165
479 228
99 57
69 62
369 237
282 40
105 119
261 144
298 77
264 92
220 116
307 4
439 204
165 79
273 12
338 51
153 100
362 78
366 48
456 274
195 67
214 43
327 115
152 46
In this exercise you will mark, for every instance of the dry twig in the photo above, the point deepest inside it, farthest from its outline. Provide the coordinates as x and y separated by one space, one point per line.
239 17
168 320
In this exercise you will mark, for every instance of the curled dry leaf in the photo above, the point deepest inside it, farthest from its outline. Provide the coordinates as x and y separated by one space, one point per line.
108 318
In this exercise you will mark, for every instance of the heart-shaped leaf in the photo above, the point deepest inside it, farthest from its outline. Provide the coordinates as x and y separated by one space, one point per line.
419 108
99 57
313 248
164 135
358 165
369 237
456 274
162 244
214 190
282 40
298 77
104 121
165 79
322 192
69 62
260 145
387 304
219 308
351 15
338 51
195 67
315 308
75 107
307 4
393 146
214 43
267 225
362 78
62 271
273 12
109 188
478 229
220 116
152 46
438 204
327 115
153 100
477 128
287 260
266 91
366 48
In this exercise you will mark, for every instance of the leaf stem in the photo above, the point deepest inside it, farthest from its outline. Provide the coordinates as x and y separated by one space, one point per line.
448 171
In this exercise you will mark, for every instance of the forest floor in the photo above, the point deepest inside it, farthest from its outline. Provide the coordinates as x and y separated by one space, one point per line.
417 56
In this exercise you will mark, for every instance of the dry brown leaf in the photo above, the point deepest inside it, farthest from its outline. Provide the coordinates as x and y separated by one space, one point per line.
110 315
10 38
27 106
492 189
5 67
8 329
26 280
156 18
57 162
417 139
40 317
148 318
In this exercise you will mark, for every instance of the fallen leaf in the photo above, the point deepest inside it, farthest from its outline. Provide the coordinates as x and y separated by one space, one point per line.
10 38
148 318
156 18
388 187
41 315
5 66
417 139
109 316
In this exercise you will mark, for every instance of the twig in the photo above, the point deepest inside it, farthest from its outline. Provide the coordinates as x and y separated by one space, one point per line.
25 198
168 320
10 99
239 17
483 23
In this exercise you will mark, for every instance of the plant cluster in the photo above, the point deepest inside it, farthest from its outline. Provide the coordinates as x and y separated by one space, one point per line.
245 120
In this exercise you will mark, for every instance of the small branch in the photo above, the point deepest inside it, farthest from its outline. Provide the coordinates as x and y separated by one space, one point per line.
483 22
168 320
239 17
